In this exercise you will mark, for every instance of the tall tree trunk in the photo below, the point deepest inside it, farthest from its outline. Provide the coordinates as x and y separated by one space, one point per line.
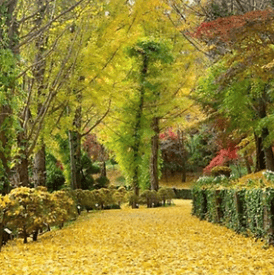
154 181
75 159
39 165
8 41
5 147
137 134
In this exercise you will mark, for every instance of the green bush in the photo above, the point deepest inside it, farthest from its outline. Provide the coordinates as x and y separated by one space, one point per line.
185 194
88 168
55 177
101 182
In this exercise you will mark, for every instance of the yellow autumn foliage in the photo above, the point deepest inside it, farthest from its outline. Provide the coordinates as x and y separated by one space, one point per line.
144 241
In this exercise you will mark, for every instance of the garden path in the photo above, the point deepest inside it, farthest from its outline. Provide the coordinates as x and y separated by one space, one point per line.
139 241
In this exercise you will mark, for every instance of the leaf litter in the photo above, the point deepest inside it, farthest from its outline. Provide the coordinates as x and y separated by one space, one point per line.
139 241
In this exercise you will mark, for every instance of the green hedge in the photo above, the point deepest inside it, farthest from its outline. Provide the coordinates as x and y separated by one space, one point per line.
185 194
247 211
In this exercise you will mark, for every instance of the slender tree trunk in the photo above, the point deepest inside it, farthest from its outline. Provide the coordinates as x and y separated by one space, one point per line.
22 165
75 159
103 169
154 180
35 235
260 157
182 153
103 162
25 235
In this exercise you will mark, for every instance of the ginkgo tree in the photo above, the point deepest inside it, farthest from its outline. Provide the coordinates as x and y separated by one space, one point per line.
34 37
158 85
89 94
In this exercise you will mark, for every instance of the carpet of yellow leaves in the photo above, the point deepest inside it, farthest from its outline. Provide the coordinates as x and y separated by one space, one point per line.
139 241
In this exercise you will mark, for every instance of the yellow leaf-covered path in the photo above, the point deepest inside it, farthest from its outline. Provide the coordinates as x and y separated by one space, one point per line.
140 241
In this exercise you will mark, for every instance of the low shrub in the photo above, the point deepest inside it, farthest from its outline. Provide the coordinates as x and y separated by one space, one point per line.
221 170
166 195
101 182
150 198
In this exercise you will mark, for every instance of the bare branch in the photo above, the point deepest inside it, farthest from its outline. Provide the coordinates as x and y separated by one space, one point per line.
34 35
98 121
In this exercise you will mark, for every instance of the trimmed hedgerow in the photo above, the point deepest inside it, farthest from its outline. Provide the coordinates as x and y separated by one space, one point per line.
233 207
254 211
199 203
248 211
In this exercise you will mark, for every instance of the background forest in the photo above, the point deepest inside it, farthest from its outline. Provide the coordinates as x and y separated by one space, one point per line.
149 88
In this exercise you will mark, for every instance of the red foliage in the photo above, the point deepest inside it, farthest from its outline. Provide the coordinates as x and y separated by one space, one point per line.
60 165
224 29
223 156
168 134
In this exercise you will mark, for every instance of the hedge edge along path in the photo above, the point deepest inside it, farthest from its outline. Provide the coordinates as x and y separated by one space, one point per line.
250 212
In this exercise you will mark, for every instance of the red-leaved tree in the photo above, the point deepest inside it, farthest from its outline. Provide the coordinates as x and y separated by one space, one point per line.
223 157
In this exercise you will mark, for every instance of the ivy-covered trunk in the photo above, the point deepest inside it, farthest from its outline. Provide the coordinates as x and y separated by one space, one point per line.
75 148
5 146
137 129
8 53
154 181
